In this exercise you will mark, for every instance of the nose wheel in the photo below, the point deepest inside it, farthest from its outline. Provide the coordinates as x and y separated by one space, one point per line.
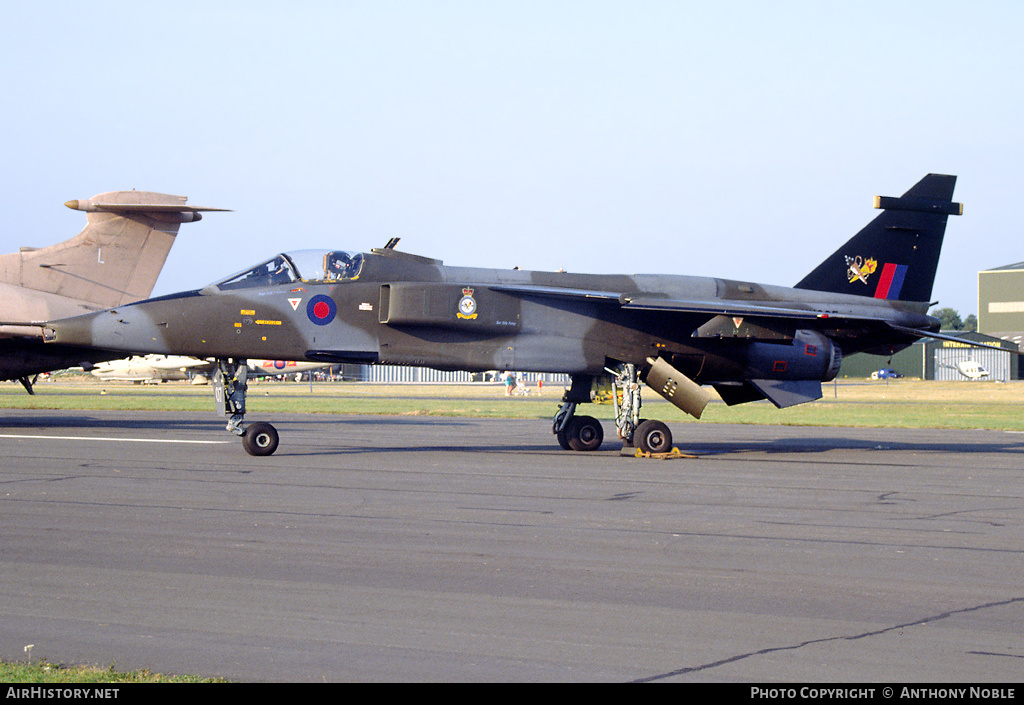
229 389
260 439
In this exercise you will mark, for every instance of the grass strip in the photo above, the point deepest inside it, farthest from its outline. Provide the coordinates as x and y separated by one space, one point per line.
45 672
888 404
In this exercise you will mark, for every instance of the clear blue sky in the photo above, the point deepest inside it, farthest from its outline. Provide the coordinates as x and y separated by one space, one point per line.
735 139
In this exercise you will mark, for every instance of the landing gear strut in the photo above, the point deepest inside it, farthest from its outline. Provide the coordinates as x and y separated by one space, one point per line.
649 436
582 433
229 388
27 383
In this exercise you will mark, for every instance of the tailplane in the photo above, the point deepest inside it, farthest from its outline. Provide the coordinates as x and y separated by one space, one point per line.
895 256
115 259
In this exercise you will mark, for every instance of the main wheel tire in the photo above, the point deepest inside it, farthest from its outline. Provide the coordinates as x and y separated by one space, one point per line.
653 437
260 439
584 433
563 439
631 441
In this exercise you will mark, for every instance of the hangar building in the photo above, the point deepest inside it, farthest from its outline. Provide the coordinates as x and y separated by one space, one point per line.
942 360
1001 302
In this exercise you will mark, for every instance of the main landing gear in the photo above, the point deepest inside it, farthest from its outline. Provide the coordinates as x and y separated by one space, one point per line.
584 433
574 432
229 388
27 383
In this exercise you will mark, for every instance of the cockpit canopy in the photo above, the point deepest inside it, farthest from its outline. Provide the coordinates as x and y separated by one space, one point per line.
301 266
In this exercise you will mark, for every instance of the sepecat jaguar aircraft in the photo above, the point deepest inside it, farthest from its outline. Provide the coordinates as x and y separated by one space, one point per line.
676 334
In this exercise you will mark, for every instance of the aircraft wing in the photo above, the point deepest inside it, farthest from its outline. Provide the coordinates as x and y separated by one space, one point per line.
721 308
557 292
710 307
951 338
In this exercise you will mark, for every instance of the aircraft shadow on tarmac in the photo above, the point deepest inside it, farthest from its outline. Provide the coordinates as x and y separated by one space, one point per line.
693 452
532 440
91 423
792 445
391 437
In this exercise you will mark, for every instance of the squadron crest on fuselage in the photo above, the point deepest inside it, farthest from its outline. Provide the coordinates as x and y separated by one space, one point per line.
467 305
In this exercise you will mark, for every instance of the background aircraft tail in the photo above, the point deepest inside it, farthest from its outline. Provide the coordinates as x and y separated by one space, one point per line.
895 256
115 259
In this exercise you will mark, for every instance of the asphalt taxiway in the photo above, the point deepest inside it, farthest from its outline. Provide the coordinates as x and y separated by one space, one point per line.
449 549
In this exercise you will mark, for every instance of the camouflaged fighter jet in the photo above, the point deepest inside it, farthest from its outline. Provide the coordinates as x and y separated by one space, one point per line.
677 334
114 260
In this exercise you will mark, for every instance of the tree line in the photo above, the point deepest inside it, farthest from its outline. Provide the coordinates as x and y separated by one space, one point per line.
950 319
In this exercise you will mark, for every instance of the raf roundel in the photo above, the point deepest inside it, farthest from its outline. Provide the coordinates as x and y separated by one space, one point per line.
321 309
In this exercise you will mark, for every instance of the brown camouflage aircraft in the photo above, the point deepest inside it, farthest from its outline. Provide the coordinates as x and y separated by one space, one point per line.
677 334
114 260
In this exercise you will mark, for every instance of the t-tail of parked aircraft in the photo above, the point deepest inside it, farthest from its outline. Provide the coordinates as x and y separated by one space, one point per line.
115 260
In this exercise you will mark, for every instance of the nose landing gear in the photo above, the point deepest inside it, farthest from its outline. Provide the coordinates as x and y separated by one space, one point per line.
260 439
229 389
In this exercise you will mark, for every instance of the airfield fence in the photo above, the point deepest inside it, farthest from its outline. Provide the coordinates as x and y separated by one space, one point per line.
395 373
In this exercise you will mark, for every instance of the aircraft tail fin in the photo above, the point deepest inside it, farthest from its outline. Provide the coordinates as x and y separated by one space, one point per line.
115 259
895 256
